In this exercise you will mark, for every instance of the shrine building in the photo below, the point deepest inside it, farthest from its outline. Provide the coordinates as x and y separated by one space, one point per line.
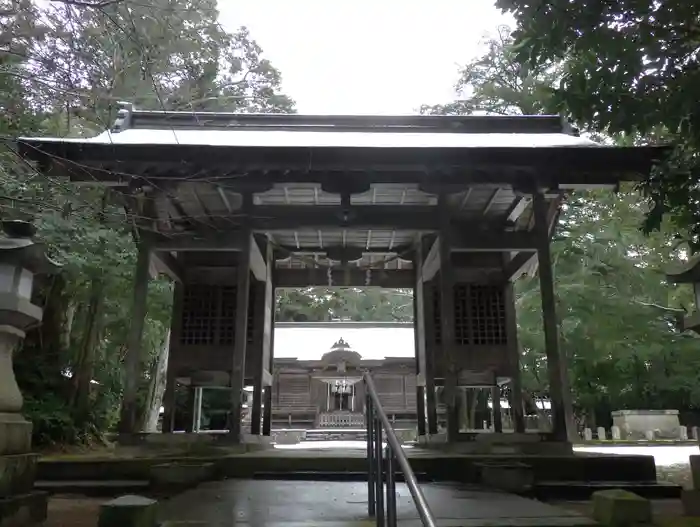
232 206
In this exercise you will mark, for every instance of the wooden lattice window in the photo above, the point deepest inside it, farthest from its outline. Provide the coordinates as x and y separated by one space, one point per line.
227 320
200 314
487 314
480 315
209 315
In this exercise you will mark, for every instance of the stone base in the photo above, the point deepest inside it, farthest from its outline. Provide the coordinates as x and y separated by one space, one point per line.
620 508
181 475
17 473
691 502
15 434
191 443
23 510
510 477
129 511
695 471
288 437
494 444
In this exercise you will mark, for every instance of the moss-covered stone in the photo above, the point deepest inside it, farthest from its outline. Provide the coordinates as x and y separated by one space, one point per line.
678 521
25 509
17 474
695 471
691 502
620 508
511 477
129 511
181 475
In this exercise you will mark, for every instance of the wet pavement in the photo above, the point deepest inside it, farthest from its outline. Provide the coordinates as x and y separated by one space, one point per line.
335 504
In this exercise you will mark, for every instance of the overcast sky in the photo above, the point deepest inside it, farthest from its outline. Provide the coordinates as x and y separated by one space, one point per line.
366 56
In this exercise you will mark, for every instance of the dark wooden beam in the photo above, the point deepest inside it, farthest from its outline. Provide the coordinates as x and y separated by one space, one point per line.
240 344
464 240
165 263
431 265
514 268
258 264
517 208
446 286
388 278
287 217
420 337
196 242
559 388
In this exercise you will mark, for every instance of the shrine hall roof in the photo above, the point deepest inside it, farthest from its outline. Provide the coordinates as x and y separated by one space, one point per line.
308 137
372 340
134 128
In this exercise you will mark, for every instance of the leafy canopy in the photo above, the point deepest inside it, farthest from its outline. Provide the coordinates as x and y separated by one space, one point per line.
630 68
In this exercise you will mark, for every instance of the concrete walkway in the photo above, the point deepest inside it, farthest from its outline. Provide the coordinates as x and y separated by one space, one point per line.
335 504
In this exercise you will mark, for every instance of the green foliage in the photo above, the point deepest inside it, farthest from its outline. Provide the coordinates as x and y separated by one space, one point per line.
618 315
64 67
319 304
630 68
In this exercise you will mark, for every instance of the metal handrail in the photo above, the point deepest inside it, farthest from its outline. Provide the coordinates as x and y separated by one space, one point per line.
377 422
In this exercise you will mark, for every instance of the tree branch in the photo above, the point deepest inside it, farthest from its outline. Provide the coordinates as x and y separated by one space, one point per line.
85 3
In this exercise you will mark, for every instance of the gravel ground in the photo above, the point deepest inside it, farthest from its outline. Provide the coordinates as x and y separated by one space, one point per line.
73 511
678 474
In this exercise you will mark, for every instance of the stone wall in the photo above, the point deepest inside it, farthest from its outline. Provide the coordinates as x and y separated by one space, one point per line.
636 424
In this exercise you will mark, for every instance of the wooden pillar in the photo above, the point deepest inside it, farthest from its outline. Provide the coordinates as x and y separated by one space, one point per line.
267 400
267 409
516 385
447 318
257 357
559 391
240 341
199 398
168 424
430 396
191 410
419 337
129 409
264 318
496 409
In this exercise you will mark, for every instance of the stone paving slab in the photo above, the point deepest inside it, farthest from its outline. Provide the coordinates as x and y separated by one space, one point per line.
336 504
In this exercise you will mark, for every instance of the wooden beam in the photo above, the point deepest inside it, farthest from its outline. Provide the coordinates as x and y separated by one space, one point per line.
420 337
290 217
240 344
165 263
559 389
447 319
493 241
431 265
197 242
517 265
258 266
519 206
388 278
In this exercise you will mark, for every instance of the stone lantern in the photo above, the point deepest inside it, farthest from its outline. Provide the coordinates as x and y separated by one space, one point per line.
20 260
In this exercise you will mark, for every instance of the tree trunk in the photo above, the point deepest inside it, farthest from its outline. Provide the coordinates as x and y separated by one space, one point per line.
67 329
156 388
129 414
84 365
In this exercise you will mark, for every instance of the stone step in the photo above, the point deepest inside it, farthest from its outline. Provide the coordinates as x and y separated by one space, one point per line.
336 434
582 490
94 488
328 476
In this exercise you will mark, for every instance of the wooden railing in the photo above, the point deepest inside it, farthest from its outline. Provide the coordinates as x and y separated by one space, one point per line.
383 465
341 420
